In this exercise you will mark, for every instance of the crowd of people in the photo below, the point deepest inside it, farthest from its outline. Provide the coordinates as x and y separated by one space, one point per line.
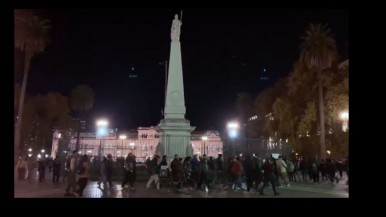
240 173
255 172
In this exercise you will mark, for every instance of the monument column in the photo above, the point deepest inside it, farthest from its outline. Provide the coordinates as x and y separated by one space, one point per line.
174 129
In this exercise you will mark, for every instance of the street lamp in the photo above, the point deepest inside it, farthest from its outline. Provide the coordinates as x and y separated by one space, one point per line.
43 150
122 137
344 118
30 149
233 128
204 138
102 128
132 144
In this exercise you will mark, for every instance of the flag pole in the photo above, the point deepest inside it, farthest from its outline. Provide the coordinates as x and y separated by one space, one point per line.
166 79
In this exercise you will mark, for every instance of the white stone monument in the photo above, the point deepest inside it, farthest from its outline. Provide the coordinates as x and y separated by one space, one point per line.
174 129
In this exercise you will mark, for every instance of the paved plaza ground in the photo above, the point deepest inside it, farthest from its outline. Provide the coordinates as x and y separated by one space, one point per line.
23 189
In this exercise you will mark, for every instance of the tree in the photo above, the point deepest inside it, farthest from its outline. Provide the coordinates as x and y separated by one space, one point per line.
31 37
43 115
81 100
318 52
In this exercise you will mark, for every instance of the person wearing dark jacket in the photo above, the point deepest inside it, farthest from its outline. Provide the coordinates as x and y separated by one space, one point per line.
268 177
196 169
154 171
129 165
109 170
330 168
257 175
248 171
204 174
56 170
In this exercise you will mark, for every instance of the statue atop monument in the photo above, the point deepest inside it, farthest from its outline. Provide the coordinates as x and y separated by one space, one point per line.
176 29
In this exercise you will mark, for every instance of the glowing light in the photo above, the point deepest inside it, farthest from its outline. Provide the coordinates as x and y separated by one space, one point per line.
29 155
233 125
233 133
204 138
102 123
39 156
132 144
43 151
30 149
59 135
89 151
328 152
344 115
122 136
46 156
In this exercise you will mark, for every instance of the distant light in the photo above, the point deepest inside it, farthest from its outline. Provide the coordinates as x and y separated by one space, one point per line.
233 125
102 131
344 115
59 135
79 152
328 152
132 68
89 151
30 149
264 70
29 155
122 136
46 155
241 155
39 156
232 133
43 151
102 123
204 138
64 151
132 144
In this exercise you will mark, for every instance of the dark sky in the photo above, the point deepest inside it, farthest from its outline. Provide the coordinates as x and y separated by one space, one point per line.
224 52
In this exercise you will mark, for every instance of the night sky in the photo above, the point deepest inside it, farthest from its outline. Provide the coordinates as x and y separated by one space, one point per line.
120 55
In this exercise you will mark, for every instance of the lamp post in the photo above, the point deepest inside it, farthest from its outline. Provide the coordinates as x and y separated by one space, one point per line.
102 128
122 137
233 128
204 138
344 118
132 145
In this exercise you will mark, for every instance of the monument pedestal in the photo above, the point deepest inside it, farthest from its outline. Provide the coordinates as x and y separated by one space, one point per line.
175 138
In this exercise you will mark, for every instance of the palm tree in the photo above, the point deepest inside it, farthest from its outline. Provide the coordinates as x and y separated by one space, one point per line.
31 37
318 52
81 100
